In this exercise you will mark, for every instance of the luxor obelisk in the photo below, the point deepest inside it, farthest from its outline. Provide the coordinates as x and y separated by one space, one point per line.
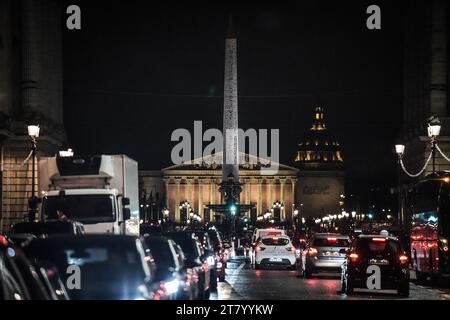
230 187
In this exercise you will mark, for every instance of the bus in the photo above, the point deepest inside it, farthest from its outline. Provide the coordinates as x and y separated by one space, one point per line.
428 208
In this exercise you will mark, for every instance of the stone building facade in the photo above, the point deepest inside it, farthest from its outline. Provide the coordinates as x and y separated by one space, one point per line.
30 93
313 185
198 183
425 84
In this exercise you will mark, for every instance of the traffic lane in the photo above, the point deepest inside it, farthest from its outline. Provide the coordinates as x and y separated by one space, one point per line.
246 283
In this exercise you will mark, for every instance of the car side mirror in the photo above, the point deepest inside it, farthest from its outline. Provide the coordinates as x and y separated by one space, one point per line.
125 201
126 214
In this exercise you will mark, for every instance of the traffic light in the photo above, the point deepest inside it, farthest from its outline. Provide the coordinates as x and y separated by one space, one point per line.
233 209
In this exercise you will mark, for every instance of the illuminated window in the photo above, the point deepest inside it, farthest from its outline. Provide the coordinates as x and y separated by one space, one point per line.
317 116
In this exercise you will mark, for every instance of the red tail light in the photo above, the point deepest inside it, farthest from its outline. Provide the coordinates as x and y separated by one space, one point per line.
403 259
353 257
379 239
258 248
312 251
332 239
3 241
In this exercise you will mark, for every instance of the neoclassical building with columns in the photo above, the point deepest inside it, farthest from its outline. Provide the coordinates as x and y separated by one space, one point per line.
313 186
197 182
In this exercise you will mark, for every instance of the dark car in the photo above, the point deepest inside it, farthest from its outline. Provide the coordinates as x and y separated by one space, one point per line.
150 228
106 267
44 229
19 279
195 259
192 277
50 277
219 250
169 268
211 258
376 262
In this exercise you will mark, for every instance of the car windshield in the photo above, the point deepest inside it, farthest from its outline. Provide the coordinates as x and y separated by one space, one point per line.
163 256
378 247
84 208
275 241
186 243
106 271
330 242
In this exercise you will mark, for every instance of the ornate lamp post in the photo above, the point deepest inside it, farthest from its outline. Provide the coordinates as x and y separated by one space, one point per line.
33 132
185 209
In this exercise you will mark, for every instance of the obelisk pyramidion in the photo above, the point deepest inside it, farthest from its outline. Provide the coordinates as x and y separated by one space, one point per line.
230 169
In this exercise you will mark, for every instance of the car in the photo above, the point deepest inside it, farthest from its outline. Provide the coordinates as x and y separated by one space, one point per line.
150 228
44 229
276 251
100 266
169 270
373 256
195 259
191 274
220 252
258 234
19 279
48 273
324 252
211 258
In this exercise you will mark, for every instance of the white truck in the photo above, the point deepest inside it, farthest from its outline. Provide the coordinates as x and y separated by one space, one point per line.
99 191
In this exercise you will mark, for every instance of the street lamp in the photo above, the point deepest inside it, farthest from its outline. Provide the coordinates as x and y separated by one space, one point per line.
400 150
33 132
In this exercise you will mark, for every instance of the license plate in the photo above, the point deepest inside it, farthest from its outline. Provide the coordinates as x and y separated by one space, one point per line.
382 262
275 259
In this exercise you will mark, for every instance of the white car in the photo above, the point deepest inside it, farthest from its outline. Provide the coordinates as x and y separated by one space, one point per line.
275 251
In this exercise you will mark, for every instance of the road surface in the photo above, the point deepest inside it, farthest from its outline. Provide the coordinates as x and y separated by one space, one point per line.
244 283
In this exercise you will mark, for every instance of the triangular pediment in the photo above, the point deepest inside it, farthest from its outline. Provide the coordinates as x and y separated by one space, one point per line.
214 162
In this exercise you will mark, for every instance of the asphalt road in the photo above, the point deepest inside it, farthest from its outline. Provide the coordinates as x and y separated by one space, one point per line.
244 283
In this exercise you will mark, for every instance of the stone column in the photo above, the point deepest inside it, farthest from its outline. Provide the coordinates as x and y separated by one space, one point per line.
200 198
259 205
177 200
283 212
438 94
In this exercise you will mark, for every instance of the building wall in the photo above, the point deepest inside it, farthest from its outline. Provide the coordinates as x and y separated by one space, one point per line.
30 93
201 188
319 192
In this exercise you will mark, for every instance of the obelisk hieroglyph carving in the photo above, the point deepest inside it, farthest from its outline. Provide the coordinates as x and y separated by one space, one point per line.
230 170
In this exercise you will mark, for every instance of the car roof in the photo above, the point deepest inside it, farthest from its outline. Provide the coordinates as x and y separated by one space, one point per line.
152 238
280 236
85 239
369 236
326 235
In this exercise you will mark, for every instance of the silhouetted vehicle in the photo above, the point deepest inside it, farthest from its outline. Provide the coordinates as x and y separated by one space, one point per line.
19 279
380 257
195 259
211 258
44 229
170 270
108 267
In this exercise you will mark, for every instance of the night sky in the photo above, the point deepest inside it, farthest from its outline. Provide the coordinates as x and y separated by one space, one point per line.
137 71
